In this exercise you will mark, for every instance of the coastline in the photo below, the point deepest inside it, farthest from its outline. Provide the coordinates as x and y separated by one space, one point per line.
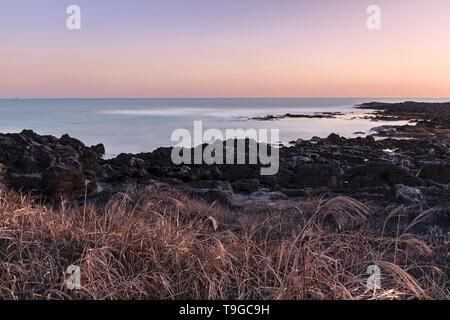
358 201
364 168
143 125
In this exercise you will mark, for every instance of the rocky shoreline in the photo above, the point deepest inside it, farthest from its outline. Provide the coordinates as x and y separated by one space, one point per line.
430 120
317 115
412 172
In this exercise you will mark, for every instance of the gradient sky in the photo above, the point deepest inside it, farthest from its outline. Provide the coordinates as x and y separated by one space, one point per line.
224 48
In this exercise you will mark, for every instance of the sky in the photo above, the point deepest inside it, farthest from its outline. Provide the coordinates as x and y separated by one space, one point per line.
224 48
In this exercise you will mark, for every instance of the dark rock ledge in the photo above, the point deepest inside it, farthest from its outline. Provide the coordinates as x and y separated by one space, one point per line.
317 115
432 120
388 171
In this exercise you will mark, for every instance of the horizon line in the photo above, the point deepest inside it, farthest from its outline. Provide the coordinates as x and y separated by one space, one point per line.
206 98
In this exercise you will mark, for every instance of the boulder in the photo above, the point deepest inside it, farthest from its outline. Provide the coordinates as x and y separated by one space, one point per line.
246 186
318 175
47 165
408 195
267 196
438 171
374 174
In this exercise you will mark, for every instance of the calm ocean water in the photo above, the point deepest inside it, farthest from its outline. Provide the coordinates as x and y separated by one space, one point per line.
141 125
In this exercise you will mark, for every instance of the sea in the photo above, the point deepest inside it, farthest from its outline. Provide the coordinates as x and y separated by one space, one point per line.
142 125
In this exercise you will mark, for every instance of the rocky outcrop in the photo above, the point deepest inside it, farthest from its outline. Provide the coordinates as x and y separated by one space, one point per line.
431 113
389 170
432 119
361 168
316 115
47 165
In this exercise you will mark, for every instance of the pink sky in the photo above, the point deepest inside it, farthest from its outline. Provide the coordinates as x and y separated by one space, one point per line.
242 48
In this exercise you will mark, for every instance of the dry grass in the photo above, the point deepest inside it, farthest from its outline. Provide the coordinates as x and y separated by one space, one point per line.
161 244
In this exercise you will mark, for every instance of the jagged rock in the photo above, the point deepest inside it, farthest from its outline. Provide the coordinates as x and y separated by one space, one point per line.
318 175
296 193
408 194
224 197
435 170
246 186
267 196
379 173
358 167
47 165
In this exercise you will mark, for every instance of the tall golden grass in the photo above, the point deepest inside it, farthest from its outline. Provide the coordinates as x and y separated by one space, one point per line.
161 244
